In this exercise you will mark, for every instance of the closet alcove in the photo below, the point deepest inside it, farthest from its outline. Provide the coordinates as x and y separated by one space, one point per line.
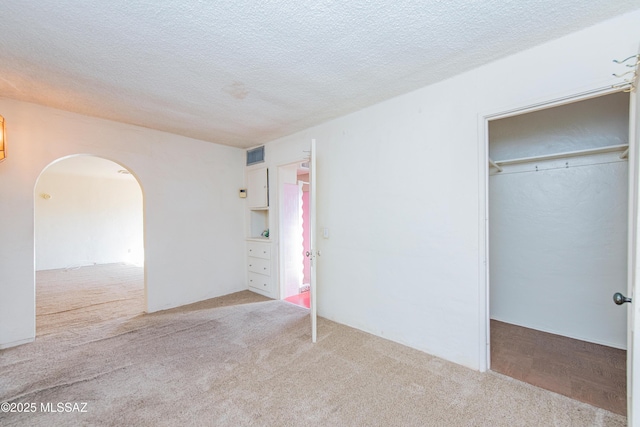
558 192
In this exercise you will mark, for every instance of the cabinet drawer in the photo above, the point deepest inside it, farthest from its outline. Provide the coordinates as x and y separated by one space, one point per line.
259 281
259 250
260 266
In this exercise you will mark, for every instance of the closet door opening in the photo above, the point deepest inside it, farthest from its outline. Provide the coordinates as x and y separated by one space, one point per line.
558 229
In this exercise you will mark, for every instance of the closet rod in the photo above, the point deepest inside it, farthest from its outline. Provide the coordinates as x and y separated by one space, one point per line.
609 149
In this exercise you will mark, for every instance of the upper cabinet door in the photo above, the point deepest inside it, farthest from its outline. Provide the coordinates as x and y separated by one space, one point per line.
258 188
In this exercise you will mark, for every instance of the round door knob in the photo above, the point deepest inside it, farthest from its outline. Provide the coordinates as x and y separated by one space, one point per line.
620 299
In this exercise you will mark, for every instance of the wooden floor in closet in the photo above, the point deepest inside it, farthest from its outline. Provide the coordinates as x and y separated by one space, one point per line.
591 373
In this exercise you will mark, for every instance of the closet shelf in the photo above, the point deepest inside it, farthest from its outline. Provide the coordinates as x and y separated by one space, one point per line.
600 150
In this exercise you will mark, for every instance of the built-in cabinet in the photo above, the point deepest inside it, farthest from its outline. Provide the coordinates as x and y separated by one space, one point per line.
259 266
258 202
259 259
258 188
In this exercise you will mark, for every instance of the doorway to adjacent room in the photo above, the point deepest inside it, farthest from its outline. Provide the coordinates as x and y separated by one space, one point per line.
294 180
89 245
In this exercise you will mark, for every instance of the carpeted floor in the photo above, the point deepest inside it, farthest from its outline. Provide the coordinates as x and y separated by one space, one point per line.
243 360
72 299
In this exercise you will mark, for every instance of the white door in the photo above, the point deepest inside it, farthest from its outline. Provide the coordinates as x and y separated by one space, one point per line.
633 352
312 243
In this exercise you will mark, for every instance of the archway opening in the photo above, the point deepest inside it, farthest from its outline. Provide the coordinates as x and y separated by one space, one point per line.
89 250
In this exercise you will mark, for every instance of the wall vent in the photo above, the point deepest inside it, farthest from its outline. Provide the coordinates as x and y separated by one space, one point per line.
255 155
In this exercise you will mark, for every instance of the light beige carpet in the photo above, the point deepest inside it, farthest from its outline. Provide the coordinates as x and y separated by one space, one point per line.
243 360
71 299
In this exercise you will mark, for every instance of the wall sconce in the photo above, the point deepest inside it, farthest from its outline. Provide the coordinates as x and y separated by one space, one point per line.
3 140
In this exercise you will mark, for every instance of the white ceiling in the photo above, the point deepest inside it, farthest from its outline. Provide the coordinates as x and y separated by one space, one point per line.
244 72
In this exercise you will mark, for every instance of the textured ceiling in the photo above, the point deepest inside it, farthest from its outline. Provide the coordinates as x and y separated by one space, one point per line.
244 72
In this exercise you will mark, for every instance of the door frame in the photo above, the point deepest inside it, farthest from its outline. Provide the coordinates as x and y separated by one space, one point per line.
483 208
311 158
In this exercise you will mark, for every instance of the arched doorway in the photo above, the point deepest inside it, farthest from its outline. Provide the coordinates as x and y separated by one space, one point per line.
89 256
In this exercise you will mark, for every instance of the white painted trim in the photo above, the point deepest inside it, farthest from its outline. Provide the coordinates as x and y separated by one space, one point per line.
484 360
546 103
16 343
313 244
632 265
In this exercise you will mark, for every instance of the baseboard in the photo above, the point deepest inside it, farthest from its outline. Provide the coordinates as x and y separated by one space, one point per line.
16 343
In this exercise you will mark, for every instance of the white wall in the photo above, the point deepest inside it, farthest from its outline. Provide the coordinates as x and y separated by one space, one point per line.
401 188
194 245
592 123
559 249
87 220
558 234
